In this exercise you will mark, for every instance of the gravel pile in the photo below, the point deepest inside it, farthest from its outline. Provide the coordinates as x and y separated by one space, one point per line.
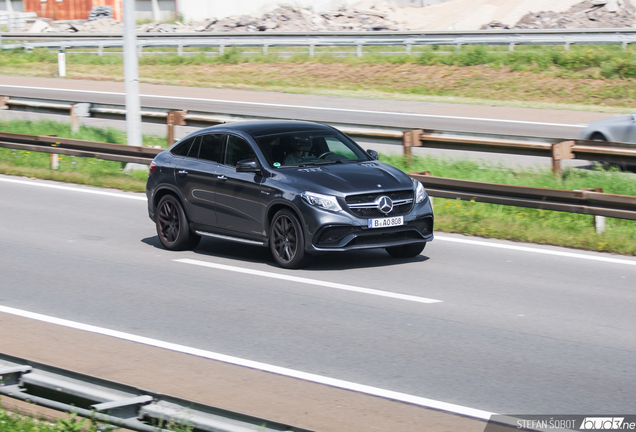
366 15
587 14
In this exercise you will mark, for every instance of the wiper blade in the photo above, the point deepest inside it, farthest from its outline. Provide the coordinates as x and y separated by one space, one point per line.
329 162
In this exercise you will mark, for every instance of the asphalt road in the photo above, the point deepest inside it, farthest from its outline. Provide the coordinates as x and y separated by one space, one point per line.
518 328
373 112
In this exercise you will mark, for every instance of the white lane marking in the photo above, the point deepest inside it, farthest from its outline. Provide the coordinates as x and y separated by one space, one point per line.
347 385
309 281
74 189
182 98
537 250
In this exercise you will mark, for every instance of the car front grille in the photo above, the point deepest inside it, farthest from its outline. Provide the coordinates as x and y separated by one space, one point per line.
333 236
364 205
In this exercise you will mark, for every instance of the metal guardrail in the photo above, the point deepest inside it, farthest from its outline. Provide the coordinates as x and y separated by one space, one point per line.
565 37
118 404
175 118
583 202
591 202
73 147
554 148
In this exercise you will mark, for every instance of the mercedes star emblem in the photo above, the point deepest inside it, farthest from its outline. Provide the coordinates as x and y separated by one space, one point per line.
385 205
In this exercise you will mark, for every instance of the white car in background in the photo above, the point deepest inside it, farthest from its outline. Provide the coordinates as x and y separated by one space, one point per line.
615 129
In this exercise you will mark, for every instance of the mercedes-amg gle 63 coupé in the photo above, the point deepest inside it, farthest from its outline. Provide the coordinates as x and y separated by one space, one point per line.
299 188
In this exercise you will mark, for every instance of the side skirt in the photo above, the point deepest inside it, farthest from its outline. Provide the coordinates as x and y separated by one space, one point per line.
230 238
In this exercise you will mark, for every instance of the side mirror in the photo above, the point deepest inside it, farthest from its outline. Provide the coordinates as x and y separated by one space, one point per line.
374 154
248 165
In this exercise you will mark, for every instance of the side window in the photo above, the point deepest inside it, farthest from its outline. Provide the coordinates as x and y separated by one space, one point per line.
194 150
237 150
183 147
211 147
338 147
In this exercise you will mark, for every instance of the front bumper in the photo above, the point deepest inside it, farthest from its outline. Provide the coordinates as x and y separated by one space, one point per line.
342 231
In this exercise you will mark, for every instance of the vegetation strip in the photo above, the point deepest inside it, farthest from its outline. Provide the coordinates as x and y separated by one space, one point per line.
583 76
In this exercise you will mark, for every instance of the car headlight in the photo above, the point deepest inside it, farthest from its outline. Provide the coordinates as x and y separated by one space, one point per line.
325 202
420 193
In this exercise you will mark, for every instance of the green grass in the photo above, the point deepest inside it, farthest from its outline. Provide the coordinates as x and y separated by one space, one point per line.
87 171
467 217
599 61
14 422
597 78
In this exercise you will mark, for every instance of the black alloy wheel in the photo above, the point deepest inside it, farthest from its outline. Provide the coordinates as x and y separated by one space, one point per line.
406 251
172 225
286 240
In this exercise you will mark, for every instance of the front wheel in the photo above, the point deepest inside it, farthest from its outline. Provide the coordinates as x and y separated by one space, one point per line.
172 225
406 251
286 240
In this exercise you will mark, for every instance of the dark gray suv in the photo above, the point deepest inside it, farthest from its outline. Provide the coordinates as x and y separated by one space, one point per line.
299 188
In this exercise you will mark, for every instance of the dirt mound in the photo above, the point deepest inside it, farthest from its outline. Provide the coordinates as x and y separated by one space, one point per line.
587 14
382 15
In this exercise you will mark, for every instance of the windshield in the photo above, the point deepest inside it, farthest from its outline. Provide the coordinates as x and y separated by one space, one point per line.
310 148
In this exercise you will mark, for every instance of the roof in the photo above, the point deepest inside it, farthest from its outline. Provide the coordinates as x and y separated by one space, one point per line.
259 128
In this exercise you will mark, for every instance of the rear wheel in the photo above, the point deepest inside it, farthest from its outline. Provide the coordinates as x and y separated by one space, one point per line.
406 251
286 241
172 225
597 136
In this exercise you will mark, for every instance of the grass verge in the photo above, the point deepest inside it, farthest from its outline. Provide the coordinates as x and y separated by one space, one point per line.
471 218
11 421
600 78
86 171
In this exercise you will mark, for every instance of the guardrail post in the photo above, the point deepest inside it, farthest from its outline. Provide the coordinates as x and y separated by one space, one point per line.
561 150
359 50
511 46
430 198
61 63
312 51
100 50
55 161
411 139
221 49
599 221
174 118
408 48
79 110
179 50
3 102
265 49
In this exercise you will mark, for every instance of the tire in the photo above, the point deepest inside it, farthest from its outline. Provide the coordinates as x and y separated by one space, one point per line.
286 241
406 251
598 137
172 225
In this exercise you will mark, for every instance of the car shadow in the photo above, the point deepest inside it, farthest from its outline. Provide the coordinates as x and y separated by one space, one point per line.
334 261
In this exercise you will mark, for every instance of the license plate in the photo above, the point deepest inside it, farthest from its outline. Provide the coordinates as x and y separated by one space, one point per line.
386 222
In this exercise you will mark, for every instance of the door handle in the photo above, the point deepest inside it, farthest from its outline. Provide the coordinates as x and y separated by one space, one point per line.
221 177
182 173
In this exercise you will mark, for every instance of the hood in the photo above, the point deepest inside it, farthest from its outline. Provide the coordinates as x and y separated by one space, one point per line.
613 128
346 178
